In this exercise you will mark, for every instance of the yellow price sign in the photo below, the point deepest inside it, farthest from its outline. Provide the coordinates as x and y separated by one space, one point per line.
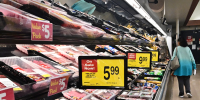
102 72
155 56
139 60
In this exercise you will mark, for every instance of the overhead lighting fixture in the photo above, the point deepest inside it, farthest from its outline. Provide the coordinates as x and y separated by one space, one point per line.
141 11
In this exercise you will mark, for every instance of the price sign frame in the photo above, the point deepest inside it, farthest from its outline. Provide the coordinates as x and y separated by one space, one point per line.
152 54
146 67
157 57
80 85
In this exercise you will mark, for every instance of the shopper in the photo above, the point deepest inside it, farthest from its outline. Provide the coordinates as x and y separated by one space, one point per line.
187 64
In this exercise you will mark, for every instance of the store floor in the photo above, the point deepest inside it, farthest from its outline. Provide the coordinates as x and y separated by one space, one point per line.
194 84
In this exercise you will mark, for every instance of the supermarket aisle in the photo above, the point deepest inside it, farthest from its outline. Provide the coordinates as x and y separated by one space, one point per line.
195 87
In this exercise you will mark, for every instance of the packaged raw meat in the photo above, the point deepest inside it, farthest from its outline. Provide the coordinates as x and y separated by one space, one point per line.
58 58
134 94
29 73
47 64
147 89
90 90
7 83
54 47
70 53
90 97
103 94
74 94
19 17
72 68
115 91
85 50
125 93
146 95
39 48
12 3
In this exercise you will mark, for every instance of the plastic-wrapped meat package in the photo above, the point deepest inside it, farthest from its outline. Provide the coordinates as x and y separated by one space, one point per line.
44 11
74 94
103 94
61 98
7 83
91 97
72 68
86 50
39 48
70 53
49 67
54 47
90 90
115 91
12 3
18 17
71 27
29 73
58 58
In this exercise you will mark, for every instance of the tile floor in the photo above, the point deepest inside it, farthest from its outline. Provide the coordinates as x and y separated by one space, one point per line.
194 85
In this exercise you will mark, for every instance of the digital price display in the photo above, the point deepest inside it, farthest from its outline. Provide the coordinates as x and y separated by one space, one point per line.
139 60
100 72
155 56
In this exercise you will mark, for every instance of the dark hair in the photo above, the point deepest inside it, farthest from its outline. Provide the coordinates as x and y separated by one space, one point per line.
183 42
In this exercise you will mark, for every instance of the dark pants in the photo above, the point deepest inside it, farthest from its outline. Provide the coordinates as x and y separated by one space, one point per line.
183 80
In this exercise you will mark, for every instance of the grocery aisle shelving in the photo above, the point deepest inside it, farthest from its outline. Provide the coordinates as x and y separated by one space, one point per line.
194 85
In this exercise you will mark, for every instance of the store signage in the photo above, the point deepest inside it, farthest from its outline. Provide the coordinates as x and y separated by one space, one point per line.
41 31
102 72
58 85
7 94
140 59
155 56
189 40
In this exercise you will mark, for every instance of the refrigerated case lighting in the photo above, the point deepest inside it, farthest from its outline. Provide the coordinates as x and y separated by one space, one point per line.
141 10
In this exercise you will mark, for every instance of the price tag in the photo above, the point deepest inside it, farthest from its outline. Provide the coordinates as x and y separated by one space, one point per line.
102 72
58 85
155 56
7 94
41 31
139 59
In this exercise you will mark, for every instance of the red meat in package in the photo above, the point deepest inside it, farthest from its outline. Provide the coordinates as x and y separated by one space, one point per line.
38 74
7 83
38 48
70 53
18 17
74 94
58 58
49 67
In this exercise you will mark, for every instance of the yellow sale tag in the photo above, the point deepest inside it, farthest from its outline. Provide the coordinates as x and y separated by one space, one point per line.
154 56
66 70
103 72
139 60
46 75
17 89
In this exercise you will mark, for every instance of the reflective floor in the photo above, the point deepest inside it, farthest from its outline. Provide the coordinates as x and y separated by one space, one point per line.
194 84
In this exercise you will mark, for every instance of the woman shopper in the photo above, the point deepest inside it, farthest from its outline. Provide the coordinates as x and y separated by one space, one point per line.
187 64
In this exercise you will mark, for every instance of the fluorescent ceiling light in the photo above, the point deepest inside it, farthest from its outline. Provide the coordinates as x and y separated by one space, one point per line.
141 11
